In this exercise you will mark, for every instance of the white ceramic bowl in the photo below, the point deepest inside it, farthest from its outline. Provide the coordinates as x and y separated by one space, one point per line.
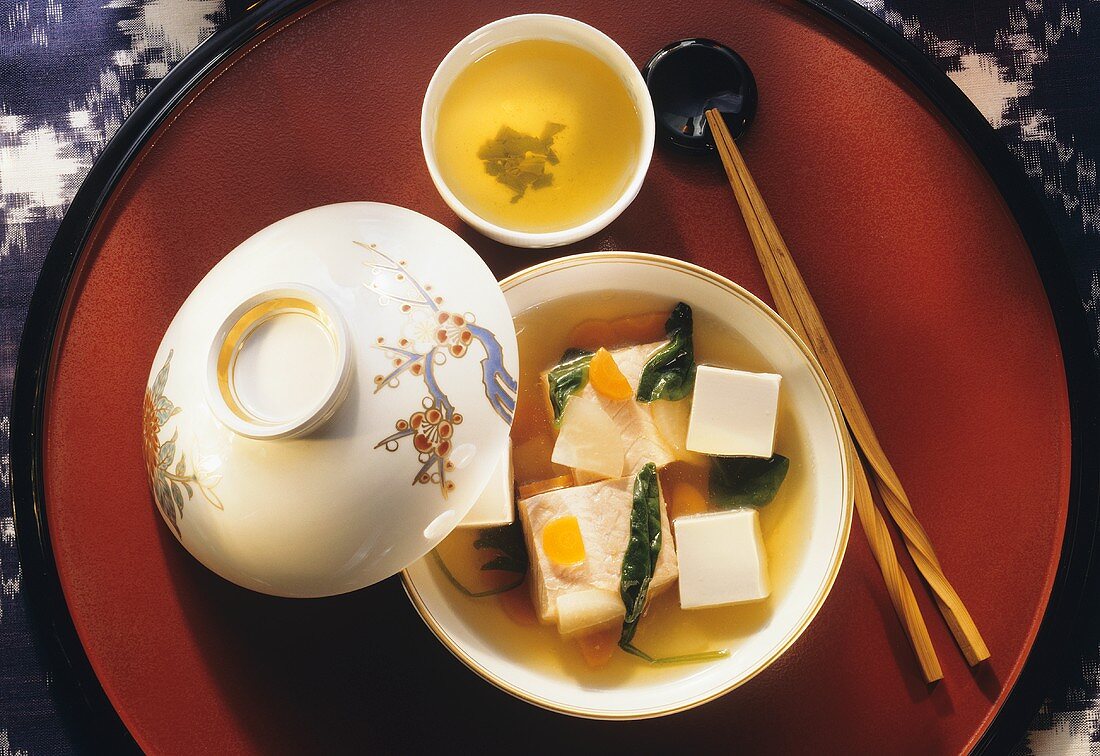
542 27
826 499
330 400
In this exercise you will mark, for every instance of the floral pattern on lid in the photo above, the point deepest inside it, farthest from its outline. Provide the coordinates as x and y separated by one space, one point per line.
169 484
407 434
432 335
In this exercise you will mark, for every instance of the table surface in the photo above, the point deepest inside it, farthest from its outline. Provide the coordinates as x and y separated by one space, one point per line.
71 70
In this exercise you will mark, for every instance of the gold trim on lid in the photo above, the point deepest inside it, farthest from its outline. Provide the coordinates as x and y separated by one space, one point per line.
235 339
233 333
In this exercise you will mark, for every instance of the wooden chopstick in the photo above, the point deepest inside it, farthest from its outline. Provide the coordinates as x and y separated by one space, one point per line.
897 584
793 300
874 526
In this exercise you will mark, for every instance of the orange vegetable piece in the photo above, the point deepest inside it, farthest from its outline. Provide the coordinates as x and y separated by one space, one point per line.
607 379
597 648
542 486
633 329
592 334
687 500
640 329
516 603
562 541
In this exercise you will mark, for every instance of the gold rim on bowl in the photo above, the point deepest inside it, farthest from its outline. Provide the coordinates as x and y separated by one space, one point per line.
839 546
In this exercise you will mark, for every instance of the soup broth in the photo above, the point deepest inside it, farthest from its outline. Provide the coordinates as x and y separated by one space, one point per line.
537 136
611 320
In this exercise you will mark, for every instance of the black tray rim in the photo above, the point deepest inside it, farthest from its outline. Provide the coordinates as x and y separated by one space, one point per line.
84 704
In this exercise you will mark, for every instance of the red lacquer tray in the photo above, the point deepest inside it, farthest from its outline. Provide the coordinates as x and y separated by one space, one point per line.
936 271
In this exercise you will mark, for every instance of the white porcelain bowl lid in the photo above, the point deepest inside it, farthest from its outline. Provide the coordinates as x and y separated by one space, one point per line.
330 400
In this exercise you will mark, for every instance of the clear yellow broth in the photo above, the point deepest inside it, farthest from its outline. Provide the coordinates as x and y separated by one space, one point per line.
544 332
525 86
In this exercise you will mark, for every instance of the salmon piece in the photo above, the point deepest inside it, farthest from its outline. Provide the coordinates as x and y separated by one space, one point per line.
602 510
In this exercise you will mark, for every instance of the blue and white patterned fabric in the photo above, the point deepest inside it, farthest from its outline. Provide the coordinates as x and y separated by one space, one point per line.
72 70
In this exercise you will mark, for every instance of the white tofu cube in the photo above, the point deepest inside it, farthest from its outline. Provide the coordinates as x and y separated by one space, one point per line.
495 505
722 559
733 413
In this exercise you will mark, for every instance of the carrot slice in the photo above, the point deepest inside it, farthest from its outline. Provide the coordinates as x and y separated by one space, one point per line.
687 500
633 329
597 648
607 379
640 329
517 605
562 541
592 334
542 486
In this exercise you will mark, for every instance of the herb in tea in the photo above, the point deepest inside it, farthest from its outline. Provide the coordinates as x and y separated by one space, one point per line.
519 160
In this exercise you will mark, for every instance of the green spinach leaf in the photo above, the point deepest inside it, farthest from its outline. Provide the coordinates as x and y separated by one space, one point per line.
567 378
746 481
670 373
642 550
519 160
508 540
639 564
